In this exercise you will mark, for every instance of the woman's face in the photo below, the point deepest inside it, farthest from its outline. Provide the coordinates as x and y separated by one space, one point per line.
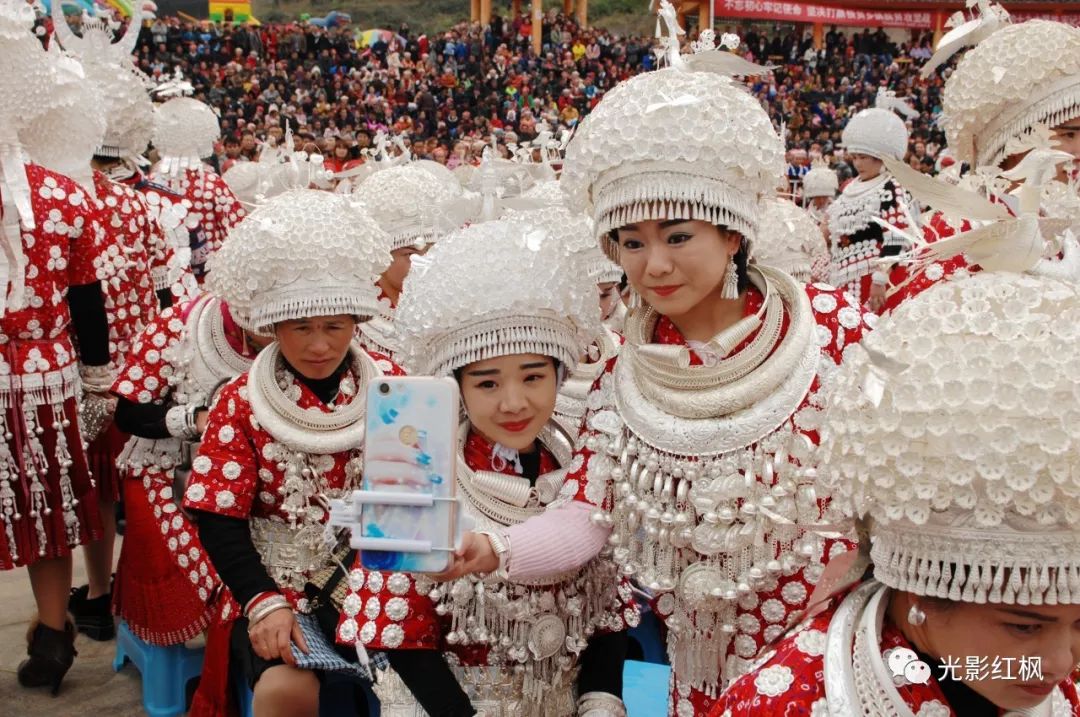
401 262
1066 137
868 167
1005 634
676 264
609 296
316 347
510 398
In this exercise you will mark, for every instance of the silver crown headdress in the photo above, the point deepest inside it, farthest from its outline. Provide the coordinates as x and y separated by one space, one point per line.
683 142
492 289
1015 79
953 435
303 253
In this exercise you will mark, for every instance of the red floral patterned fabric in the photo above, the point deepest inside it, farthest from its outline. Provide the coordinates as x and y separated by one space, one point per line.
164 579
66 248
214 210
760 616
137 247
788 680
38 359
235 475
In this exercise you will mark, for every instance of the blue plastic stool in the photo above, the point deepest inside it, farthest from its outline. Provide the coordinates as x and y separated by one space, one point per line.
645 688
165 671
335 698
648 635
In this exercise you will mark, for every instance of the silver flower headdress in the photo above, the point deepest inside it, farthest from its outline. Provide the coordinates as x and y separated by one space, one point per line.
685 141
789 239
1019 77
878 131
185 131
954 435
820 181
303 253
411 202
572 229
493 289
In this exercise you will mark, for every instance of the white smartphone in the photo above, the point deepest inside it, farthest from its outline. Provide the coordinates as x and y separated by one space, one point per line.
407 505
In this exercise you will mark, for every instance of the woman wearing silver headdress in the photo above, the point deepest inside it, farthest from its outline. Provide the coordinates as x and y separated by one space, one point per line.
500 307
283 439
691 449
951 441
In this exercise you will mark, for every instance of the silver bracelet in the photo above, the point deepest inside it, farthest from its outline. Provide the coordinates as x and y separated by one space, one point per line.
500 544
97 379
265 607
176 422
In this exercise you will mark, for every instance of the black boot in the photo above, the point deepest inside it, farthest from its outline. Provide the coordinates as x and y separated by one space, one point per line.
94 618
51 654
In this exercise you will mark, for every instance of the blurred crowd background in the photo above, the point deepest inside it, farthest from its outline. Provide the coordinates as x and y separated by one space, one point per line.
455 92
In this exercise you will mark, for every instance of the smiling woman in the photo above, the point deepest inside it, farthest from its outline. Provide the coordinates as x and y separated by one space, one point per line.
501 308
688 463
975 576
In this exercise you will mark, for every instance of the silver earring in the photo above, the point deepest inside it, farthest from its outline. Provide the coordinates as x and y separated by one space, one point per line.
730 290
915 616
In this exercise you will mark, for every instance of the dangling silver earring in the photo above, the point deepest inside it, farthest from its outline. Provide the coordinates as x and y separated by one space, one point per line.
915 616
730 290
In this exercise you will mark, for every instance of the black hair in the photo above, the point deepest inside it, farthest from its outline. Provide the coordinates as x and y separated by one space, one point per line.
102 159
741 259
459 371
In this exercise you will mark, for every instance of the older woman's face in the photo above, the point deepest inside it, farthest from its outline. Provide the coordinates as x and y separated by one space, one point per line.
316 346
1046 636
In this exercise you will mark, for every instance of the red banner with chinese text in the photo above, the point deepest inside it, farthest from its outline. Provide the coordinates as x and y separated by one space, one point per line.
833 15
826 14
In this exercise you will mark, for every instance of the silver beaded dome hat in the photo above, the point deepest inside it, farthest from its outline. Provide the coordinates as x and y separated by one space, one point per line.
493 289
409 202
64 135
303 253
572 229
185 131
789 239
878 131
128 109
1019 77
675 143
820 181
955 434
48 109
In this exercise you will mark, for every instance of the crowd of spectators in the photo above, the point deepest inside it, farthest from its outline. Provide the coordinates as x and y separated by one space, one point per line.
450 94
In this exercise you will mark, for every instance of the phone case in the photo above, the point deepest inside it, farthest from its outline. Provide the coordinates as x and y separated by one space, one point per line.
410 455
